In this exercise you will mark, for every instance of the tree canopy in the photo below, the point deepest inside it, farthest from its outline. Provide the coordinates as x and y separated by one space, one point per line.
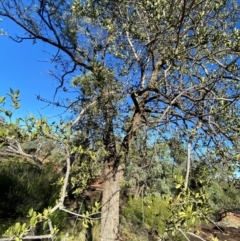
163 67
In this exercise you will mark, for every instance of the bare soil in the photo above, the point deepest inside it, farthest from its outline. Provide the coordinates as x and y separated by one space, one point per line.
226 229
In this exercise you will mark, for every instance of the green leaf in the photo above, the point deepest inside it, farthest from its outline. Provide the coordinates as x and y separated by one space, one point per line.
182 214
24 227
178 186
46 213
85 224
2 99
17 92
17 226
30 212
8 113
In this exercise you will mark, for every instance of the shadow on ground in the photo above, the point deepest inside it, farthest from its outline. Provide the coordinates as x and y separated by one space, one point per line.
226 229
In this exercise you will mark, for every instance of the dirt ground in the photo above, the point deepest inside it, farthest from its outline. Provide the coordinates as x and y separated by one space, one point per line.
226 229
223 234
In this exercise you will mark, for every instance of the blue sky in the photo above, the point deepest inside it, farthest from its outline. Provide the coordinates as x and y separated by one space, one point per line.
25 66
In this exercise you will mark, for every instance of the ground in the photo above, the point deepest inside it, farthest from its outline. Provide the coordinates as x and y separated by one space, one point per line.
226 229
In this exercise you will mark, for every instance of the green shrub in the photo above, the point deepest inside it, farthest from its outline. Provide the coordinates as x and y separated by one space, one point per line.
151 211
23 186
168 216
223 196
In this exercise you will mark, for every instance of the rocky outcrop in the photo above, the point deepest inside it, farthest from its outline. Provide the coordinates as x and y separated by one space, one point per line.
229 219
227 228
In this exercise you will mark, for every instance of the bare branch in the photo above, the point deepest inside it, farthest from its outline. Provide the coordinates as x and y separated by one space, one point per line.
188 165
196 236
14 147
46 236
93 102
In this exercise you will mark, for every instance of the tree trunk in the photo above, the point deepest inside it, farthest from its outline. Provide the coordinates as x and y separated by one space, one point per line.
110 204
111 184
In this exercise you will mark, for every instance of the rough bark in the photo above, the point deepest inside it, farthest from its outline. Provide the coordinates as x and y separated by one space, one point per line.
110 204
111 184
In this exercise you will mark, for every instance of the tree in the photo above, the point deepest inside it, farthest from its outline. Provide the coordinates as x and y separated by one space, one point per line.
148 167
13 136
159 65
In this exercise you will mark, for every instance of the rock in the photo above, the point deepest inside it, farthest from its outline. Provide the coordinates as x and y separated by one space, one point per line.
229 219
226 229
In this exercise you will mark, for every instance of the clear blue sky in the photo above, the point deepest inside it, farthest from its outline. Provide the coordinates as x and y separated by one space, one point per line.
25 66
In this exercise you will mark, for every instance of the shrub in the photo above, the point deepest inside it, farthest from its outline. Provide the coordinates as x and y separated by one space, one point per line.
23 186
151 211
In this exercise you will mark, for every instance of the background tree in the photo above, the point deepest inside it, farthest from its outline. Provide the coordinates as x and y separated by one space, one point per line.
169 64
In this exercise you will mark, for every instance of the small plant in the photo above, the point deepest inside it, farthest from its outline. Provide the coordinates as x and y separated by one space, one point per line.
167 215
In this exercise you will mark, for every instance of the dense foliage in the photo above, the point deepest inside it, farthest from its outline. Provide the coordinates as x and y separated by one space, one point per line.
24 186
153 91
